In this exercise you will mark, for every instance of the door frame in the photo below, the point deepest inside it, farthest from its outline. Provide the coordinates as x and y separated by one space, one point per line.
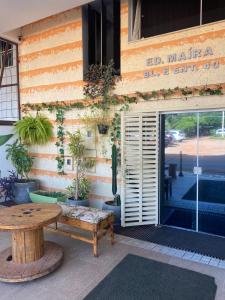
162 158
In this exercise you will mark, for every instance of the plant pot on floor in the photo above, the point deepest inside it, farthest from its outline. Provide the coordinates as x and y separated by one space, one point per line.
73 202
110 205
22 189
47 197
103 129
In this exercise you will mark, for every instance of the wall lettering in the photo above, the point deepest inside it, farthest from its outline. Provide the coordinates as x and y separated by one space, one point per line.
181 57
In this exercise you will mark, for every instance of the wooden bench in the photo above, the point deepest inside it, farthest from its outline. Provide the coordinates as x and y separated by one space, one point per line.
96 221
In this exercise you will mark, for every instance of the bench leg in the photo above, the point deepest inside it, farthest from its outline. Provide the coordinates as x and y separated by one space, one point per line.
111 232
95 245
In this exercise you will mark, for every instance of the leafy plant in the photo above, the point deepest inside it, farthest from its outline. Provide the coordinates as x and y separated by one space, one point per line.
34 130
50 194
84 188
211 91
101 80
96 117
19 156
82 164
5 138
6 185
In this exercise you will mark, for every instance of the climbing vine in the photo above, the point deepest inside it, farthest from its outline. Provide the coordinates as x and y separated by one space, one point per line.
100 83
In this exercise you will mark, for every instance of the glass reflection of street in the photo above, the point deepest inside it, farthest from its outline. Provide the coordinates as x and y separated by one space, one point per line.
194 200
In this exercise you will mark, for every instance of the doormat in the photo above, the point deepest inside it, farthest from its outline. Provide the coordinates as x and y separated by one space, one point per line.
211 191
140 278
196 242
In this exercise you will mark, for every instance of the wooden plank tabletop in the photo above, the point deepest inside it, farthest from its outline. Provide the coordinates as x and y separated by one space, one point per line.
28 216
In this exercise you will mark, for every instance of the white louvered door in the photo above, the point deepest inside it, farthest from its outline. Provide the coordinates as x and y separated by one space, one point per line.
140 146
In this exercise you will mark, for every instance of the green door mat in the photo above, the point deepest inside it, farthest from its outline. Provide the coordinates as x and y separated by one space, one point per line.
138 278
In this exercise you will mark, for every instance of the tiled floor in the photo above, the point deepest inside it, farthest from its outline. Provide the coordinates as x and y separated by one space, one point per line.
81 272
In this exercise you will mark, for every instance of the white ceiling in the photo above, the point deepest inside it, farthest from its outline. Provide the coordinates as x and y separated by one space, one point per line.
17 13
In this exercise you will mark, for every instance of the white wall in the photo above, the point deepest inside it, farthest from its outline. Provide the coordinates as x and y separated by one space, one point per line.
5 165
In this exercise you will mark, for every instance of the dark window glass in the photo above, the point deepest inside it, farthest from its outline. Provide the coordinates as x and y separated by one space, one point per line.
101 33
213 10
164 16
9 58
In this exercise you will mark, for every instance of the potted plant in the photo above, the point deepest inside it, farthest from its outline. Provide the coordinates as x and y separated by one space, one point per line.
19 156
79 190
99 118
47 197
115 204
36 130
83 186
7 186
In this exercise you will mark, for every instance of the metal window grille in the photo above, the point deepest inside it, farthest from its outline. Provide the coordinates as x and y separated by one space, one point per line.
9 82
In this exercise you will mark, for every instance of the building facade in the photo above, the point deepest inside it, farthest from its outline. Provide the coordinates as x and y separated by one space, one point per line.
178 47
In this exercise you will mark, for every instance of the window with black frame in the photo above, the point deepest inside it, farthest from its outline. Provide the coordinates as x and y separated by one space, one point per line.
151 18
101 33
9 83
9 58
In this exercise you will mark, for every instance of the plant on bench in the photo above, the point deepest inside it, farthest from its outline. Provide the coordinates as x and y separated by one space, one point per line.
79 190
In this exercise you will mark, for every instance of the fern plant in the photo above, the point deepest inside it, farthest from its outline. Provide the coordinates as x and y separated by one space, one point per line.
34 130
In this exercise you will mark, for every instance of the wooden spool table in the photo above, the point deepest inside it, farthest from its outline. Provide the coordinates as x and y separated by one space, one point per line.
29 257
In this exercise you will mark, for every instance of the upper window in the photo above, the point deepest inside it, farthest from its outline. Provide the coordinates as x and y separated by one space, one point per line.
9 83
6 48
150 18
213 10
101 33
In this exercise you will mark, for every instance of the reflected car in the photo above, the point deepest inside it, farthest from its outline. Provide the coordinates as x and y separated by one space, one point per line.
178 135
169 136
220 131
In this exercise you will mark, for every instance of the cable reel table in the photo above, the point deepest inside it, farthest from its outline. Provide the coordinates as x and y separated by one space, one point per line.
29 257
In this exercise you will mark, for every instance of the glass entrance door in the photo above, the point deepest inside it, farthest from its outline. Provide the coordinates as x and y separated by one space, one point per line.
193 171
211 178
179 144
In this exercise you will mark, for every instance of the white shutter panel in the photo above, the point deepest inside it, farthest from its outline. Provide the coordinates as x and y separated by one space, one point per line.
139 196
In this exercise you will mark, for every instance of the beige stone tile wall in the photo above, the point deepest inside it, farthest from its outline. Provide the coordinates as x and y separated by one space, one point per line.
51 69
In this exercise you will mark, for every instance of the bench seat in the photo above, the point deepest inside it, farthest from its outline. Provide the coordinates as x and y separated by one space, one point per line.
96 221
86 214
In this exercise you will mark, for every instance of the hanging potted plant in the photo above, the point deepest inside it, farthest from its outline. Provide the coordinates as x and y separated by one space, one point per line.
36 130
19 156
103 122
97 118
115 204
79 190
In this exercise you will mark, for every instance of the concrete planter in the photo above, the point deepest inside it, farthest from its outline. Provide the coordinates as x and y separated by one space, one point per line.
22 189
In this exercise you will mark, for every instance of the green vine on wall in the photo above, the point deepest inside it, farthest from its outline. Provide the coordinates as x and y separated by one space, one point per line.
100 83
